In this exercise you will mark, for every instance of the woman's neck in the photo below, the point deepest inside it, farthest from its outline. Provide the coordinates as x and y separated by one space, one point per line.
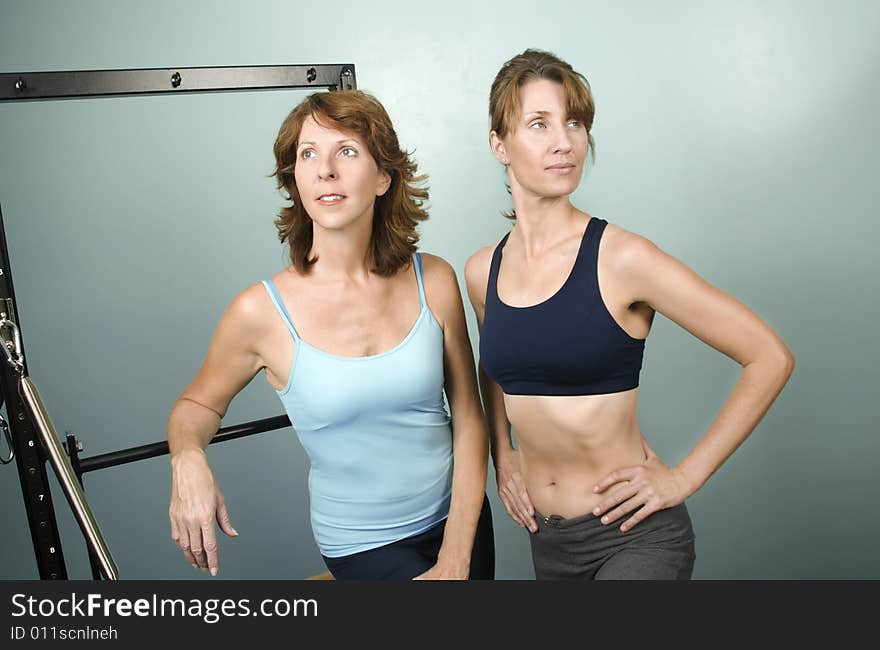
543 222
343 253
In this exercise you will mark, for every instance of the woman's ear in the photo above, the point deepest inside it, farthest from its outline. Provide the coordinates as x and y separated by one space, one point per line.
497 146
383 183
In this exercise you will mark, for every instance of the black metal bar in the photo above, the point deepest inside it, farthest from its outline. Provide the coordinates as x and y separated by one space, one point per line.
152 450
71 446
29 454
18 86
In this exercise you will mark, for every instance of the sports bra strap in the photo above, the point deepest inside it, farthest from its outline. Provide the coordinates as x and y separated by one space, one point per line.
491 284
279 305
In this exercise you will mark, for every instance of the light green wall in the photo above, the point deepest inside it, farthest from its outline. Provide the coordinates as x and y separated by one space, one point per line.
739 138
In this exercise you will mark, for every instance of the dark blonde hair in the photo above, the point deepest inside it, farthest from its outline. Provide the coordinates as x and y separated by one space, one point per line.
396 213
504 101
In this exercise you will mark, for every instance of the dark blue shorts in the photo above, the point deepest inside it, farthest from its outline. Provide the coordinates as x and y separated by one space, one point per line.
412 556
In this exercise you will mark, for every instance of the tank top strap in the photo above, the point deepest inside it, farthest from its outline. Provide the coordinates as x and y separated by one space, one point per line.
279 305
492 283
418 264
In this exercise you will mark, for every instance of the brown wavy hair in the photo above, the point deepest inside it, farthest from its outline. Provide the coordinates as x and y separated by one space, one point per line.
504 102
395 214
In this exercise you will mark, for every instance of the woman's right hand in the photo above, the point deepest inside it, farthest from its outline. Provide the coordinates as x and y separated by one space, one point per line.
512 490
196 503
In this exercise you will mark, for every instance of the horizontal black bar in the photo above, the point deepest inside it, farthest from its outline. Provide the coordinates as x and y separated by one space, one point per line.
133 454
16 86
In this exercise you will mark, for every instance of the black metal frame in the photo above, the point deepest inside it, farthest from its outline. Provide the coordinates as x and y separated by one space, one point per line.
30 455
17 86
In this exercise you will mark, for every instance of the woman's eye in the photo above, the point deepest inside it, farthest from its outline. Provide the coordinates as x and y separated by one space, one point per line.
536 125
574 123
306 154
349 152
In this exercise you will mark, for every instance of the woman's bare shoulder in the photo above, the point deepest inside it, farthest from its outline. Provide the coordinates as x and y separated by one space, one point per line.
438 274
477 265
250 310
623 249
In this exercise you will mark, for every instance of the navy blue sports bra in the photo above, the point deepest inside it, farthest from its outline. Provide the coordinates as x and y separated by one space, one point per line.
568 344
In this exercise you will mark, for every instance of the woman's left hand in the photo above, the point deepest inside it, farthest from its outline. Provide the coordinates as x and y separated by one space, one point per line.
648 487
446 571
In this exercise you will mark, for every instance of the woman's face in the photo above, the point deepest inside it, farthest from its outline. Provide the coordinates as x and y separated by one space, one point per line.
545 148
337 178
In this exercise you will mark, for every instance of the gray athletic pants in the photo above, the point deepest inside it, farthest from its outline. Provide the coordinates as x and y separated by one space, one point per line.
661 547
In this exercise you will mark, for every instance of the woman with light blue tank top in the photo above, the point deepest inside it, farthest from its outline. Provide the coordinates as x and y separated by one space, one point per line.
396 481
357 417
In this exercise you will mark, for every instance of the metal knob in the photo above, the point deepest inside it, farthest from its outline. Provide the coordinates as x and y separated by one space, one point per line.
345 78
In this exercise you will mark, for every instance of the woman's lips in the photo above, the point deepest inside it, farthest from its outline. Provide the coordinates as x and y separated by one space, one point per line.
562 169
331 199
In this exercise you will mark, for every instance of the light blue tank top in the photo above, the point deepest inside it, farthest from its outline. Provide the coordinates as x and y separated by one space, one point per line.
377 433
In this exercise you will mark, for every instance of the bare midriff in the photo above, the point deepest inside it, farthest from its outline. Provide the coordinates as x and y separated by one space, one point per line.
568 444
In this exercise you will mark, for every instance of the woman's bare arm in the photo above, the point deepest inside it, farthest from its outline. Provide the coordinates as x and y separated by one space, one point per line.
469 440
721 321
511 486
231 362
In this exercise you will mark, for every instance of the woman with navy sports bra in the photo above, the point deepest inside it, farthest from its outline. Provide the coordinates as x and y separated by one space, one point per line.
565 302
359 337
